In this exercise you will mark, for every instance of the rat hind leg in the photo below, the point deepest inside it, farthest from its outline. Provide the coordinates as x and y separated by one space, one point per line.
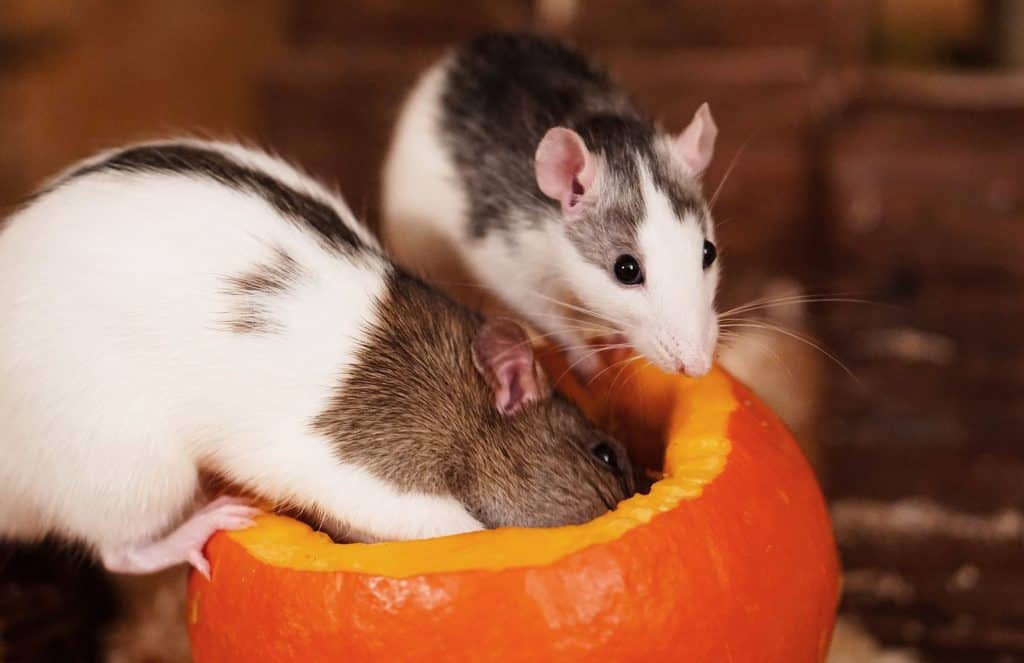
185 543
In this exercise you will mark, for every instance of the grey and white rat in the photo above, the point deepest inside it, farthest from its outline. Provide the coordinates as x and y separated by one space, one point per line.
521 162
184 307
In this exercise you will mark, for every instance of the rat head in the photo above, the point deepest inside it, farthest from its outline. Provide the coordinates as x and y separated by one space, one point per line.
641 242
535 461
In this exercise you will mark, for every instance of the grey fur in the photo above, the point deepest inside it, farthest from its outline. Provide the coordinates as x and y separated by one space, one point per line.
255 290
415 412
503 92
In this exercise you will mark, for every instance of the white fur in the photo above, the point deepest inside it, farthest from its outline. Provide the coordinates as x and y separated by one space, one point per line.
677 325
119 378
423 200
671 319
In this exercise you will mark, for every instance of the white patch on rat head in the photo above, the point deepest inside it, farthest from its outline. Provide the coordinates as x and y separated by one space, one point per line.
681 329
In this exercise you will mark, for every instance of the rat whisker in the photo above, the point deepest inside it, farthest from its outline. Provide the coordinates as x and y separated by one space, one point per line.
625 365
766 302
606 369
580 360
597 318
598 347
728 171
630 375
584 325
788 297
799 337
570 328
579 309
596 350
576 306
764 348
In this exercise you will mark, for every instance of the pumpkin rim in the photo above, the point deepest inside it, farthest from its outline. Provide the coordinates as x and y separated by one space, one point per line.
696 452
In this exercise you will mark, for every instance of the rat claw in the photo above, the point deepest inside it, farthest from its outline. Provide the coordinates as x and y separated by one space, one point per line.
199 562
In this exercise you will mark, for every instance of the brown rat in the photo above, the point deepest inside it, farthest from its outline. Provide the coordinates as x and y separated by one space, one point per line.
413 413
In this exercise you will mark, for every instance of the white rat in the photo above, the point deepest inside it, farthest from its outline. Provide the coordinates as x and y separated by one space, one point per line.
518 160
185 307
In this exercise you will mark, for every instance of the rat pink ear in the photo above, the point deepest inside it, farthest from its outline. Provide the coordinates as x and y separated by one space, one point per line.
564 167
504 356
696 144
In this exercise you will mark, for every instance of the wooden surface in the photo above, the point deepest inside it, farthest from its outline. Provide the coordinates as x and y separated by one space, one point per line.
926 456
402 22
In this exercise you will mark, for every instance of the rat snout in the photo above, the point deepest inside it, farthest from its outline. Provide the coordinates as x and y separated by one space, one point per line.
695 367
687 358
690 348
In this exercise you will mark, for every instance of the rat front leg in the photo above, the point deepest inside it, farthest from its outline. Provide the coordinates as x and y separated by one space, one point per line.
184 544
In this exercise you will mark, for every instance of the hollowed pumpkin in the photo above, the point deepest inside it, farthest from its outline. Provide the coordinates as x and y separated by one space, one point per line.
730 557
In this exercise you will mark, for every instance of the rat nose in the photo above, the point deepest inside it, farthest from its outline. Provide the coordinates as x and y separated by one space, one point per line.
690 359
695 367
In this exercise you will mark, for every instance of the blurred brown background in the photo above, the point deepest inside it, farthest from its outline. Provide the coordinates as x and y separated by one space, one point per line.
877 150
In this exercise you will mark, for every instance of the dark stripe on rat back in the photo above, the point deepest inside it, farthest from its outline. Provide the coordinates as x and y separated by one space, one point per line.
253 293
180 158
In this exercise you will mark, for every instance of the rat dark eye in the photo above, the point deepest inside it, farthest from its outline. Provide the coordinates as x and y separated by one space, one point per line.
627 270
710 253
605 454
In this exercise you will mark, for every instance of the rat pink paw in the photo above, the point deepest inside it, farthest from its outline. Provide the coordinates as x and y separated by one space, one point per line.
184 544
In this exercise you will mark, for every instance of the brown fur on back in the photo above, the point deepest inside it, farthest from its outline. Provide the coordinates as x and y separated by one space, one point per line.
415 412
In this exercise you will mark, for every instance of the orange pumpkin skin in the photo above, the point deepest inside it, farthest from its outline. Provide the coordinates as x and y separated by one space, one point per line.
746 571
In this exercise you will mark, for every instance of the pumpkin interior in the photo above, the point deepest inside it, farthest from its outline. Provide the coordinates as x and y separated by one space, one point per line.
654 414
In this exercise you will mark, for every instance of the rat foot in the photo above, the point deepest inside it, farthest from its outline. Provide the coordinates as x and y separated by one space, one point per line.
184 544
